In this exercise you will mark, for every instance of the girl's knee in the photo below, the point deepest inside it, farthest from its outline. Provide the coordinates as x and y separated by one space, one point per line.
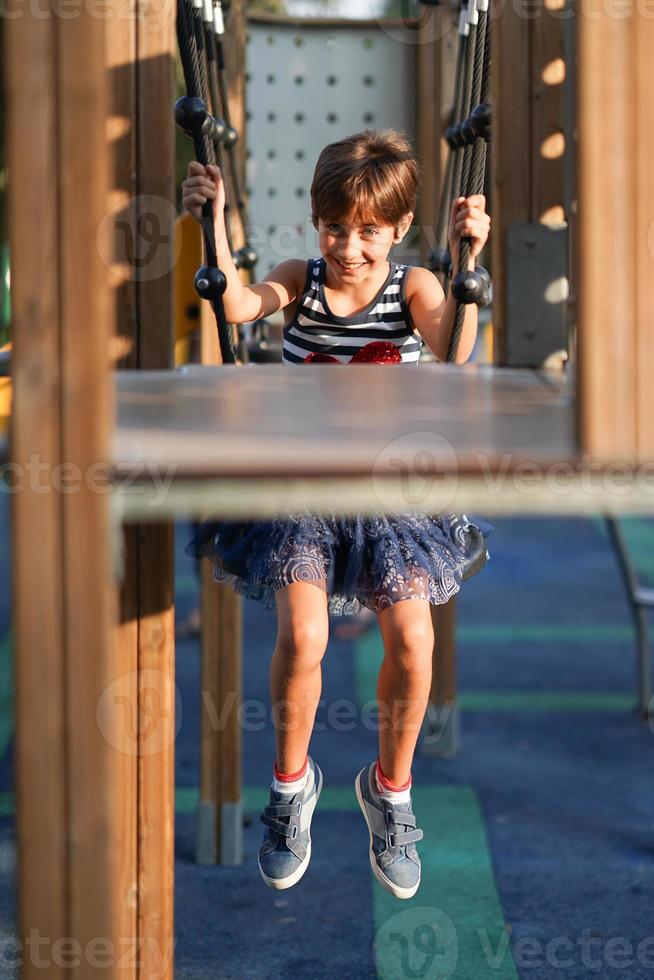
302 641
410 643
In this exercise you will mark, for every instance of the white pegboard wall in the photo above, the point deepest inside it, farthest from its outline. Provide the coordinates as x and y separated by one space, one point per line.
306 87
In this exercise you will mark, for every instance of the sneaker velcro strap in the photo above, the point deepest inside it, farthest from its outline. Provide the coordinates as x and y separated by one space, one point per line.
283 810
400 840
395 817
283 829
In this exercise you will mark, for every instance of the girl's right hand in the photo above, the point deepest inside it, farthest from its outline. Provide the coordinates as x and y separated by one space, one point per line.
201 185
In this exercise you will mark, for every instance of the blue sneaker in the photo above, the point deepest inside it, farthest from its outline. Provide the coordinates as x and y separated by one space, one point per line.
393 835
286 849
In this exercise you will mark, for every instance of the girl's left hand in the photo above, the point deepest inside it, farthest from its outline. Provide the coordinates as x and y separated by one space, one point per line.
468 219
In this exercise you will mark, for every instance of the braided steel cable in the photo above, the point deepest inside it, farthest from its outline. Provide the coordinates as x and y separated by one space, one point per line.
447 186
219 31
210 282
466 91
473 177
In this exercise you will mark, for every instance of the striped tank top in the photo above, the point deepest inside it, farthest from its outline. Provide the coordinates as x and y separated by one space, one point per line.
315 330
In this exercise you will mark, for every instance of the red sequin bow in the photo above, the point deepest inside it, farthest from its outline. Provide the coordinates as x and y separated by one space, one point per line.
376 352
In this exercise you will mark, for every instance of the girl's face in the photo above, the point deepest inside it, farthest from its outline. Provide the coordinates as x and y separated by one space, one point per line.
355 250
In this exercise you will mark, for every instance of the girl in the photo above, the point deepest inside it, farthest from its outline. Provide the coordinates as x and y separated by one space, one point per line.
349 305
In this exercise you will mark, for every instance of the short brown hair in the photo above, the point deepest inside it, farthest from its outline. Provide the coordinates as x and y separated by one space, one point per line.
373 175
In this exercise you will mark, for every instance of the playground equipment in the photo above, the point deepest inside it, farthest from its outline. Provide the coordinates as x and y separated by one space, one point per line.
94 758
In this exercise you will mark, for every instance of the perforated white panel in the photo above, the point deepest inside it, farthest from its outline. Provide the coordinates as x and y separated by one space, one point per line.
306 88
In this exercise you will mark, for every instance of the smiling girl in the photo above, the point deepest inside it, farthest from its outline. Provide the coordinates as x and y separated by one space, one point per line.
350 305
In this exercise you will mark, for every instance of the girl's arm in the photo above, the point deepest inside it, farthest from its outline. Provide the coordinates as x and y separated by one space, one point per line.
242 303
433 315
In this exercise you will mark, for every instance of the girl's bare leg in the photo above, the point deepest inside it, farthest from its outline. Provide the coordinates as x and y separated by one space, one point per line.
295 668
404 683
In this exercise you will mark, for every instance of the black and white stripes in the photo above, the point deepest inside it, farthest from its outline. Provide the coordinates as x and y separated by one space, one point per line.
315 328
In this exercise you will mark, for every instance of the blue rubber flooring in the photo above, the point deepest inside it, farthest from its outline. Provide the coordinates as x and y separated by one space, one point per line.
565 797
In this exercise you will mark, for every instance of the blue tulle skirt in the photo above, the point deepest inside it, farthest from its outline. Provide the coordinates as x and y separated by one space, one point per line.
371 561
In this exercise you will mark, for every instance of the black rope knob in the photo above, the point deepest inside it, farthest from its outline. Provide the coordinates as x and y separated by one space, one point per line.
210 283
480 121
439 260
472 287
454 136
193 117
245 257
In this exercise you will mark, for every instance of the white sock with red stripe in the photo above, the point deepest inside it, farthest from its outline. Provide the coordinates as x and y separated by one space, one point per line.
290 782
385 788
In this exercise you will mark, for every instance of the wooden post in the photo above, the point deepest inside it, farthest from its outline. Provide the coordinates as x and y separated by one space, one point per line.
528 146
616 236
140 59
69 798
219 816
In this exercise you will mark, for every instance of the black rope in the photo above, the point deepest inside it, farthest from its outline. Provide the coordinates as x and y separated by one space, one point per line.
439 257
212 76
210 281
473 178
475 95
466 105
226 114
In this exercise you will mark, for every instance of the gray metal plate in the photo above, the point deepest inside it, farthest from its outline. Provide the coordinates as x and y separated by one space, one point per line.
309 86
536 292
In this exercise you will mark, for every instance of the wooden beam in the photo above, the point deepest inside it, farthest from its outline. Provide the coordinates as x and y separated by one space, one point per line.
37 546
614 255
528 145
155 210
510 178
120 55
644 253
140 58
219 815
67 761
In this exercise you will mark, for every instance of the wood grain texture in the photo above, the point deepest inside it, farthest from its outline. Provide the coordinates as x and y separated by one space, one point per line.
155 208
87 410
511 148
68 809
609 200
37 551
120 48
547 110
644 243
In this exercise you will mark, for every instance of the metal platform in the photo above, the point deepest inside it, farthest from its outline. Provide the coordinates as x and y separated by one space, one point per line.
261 439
